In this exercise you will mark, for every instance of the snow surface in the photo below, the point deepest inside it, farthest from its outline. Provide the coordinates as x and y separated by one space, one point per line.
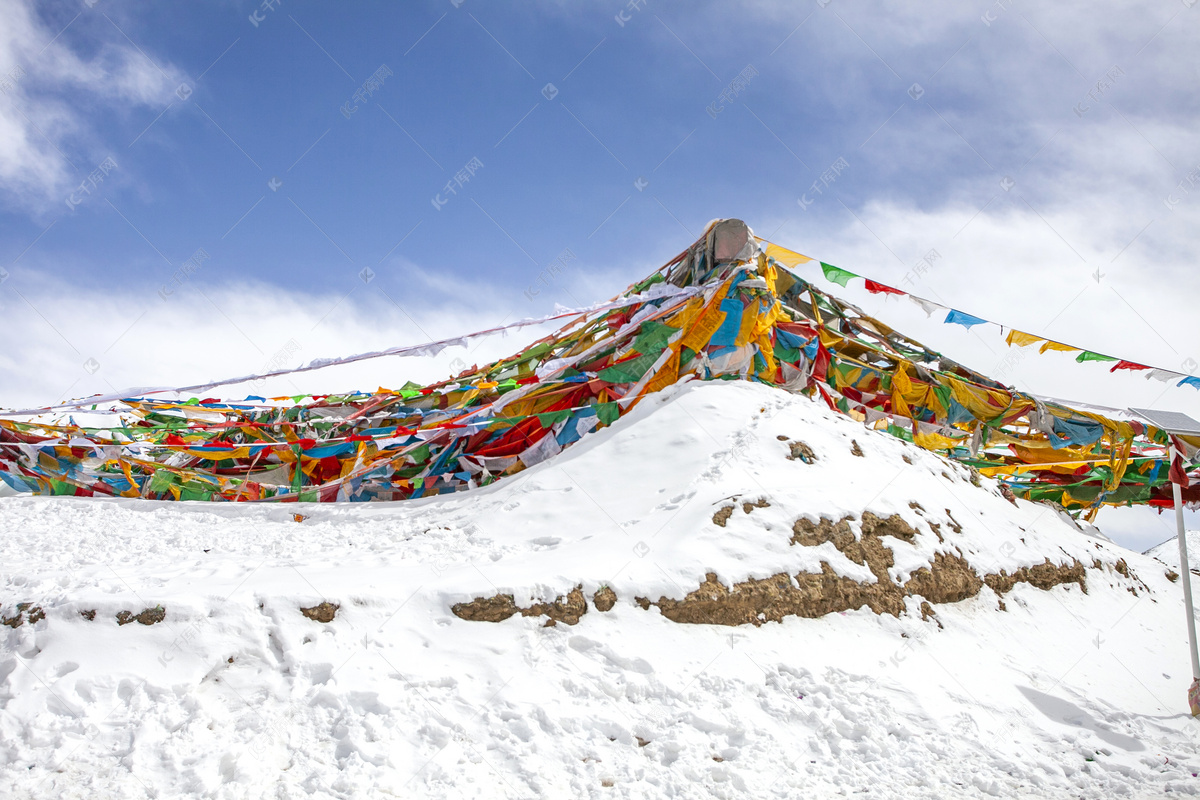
236 694
1168 551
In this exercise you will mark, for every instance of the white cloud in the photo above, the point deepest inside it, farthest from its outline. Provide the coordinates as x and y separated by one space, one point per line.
77 343
47 141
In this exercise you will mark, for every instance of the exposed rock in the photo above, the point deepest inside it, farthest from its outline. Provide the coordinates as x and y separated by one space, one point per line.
761 503
26 612
502 606
722 516
1044 576
604 599
810 534
855 450
324 612
948 579
568 609
1172 575
801 451
147 616
771 599
486 609
89 615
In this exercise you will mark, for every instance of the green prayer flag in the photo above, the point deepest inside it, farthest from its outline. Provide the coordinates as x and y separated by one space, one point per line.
162 480
836 274
297 471
653 337
630 371
608 412
549 419
1088 355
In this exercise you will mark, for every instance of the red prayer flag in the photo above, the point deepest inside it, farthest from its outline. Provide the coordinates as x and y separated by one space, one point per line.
880 288
1127 365
1177 474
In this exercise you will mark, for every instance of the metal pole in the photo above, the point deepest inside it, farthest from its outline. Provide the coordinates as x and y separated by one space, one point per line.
1186 572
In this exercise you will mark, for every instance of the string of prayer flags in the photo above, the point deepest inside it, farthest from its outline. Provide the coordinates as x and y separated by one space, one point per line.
727 308
1015 338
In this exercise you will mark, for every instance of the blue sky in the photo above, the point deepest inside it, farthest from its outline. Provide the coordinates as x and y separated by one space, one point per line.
1047 154
565 108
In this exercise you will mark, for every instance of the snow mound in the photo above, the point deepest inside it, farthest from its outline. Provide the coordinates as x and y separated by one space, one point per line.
179 649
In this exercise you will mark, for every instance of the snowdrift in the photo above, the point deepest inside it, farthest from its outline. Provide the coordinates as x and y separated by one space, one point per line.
731 591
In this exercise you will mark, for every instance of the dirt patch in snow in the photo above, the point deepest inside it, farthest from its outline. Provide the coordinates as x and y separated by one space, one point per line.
566 609
722 516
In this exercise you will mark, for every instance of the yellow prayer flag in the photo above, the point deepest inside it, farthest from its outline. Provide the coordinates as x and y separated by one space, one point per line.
1066 348
789 258
1021 339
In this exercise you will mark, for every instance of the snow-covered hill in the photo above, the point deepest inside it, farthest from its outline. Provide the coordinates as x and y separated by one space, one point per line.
1168 551
978 665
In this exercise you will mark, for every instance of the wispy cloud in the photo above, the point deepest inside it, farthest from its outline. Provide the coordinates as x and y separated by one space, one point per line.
48 141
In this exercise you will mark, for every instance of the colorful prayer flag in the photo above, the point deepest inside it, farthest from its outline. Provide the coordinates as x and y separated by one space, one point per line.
960 318
836 274
880 288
